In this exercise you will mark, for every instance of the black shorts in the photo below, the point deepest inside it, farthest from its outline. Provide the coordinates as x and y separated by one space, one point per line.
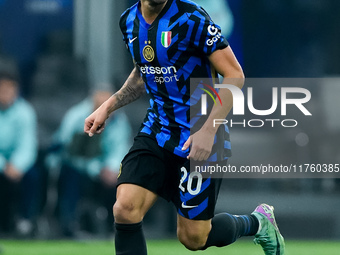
154 168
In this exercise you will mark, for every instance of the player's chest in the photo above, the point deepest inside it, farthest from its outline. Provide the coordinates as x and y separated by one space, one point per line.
158 45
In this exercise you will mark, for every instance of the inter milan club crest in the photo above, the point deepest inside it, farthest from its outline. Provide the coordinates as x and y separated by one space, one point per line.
148 52
166 39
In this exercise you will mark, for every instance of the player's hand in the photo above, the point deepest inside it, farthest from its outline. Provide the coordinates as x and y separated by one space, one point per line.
95 123
201 145
12 173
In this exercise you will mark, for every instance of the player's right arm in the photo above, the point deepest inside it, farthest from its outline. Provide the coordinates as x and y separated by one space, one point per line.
132 89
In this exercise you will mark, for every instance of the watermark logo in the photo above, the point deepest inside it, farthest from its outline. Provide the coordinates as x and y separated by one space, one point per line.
204 97
301 96
239 100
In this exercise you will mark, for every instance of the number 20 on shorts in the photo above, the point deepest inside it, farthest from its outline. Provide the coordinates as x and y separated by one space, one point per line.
192 190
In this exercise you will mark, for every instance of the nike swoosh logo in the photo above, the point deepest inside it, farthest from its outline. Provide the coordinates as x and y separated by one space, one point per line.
132 40
188 206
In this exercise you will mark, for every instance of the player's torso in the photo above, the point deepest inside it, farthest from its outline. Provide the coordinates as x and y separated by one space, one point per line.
165 53
169 52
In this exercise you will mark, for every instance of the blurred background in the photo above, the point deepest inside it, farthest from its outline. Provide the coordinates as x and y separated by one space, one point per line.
68 55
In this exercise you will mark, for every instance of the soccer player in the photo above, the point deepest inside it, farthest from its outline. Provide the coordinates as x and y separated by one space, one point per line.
172 41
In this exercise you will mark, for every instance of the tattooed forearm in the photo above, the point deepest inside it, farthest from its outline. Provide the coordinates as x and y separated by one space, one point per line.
132 89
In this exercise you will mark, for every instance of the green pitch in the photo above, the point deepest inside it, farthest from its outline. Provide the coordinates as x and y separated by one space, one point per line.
170 247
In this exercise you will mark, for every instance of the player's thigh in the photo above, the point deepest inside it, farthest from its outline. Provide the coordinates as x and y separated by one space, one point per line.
196 195
193 226
132 203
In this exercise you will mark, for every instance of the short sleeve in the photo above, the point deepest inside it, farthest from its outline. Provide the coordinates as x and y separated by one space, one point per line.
208 36
123 25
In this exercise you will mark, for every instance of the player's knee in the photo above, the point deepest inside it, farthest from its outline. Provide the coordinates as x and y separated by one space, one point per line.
126 212
192 240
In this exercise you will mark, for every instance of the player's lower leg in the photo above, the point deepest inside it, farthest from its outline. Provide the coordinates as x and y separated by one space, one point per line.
129 239
227 228
128 231
132 204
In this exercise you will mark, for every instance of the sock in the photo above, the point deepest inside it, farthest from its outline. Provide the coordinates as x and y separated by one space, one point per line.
226 228
129 239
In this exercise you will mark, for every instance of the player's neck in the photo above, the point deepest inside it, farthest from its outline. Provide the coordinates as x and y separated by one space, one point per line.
150 11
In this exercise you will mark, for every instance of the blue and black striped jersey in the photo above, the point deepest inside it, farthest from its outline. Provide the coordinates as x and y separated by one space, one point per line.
168 53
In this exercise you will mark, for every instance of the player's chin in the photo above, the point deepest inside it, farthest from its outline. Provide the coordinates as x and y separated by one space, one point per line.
157 2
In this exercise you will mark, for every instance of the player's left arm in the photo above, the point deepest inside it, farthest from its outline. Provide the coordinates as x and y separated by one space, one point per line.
226 64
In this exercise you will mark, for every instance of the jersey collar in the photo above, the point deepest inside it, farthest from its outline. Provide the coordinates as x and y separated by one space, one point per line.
160 15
